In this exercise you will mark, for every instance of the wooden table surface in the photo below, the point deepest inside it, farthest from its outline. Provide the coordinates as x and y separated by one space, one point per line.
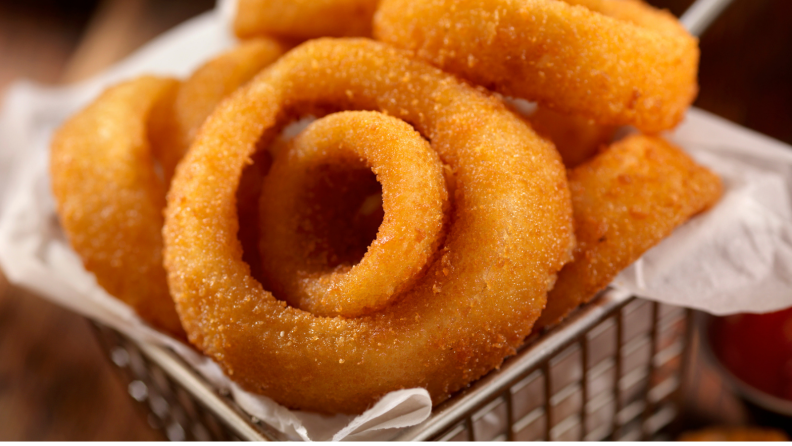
55 383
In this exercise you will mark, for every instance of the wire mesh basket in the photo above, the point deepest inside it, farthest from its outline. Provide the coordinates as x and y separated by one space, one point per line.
612 371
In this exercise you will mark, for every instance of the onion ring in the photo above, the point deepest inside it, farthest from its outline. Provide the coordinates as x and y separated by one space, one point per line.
511 232
414 198
304 19
177 121
617 62
625 201
110 200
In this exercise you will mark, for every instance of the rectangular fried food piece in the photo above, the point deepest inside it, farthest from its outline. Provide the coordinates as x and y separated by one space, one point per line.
626 200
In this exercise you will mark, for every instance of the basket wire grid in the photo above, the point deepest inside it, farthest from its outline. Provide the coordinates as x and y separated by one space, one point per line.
612 370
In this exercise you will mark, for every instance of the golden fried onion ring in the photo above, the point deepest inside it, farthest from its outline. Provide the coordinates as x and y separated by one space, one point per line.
614 61
625 201
304 19
511 232
414 199
110 200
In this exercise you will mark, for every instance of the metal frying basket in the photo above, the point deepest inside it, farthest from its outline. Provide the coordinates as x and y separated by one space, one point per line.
612 370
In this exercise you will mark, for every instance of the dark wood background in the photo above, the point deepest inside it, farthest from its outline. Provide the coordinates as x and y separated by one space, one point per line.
55 383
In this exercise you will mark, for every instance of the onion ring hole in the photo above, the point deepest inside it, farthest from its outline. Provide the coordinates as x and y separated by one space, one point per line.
321 206
348 204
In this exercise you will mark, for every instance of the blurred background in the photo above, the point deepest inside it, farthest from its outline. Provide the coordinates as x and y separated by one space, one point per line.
55 383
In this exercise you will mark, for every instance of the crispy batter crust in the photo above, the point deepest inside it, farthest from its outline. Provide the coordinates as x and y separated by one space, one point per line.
511 232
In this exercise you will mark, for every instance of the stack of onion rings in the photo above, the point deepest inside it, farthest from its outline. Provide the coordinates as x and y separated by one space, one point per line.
511 231
617 62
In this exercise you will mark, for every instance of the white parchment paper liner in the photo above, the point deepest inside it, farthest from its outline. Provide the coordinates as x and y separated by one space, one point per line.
735 258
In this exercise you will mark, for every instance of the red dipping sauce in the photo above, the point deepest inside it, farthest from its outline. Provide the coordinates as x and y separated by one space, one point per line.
757 349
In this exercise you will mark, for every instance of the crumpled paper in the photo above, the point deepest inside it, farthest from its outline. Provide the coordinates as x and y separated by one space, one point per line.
735 258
